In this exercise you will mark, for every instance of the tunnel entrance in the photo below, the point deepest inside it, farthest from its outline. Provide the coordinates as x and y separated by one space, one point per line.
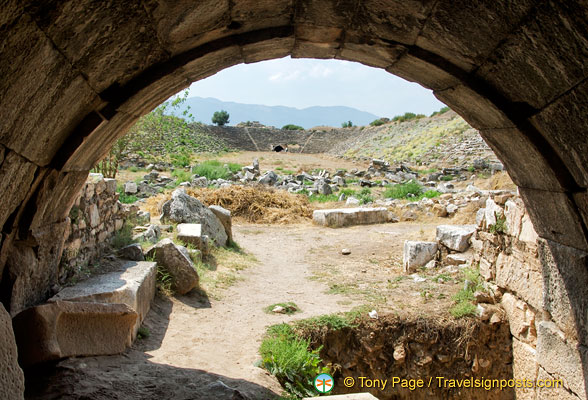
81 94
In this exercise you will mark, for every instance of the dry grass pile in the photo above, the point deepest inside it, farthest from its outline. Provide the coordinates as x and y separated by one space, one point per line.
253 204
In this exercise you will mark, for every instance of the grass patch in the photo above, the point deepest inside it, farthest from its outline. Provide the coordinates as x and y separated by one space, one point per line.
331 321
290 359
365 196
164 281
125 198
499 226
464 306
289 308
322 198
181 176
143 333
403 190
123 237
214 169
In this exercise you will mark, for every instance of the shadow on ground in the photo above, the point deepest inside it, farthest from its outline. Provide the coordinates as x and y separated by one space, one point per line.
132 375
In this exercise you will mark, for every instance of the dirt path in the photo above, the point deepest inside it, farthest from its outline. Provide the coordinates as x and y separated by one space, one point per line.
196 341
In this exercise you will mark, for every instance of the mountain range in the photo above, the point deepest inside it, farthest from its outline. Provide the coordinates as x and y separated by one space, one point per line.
203 108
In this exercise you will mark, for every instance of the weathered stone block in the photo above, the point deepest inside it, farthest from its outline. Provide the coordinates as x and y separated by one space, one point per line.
555 217
561 357
192 234
455 237
487 269
522 275
555 391
565 293
224 216
527 68
183 208
514 215
529 168
520 318
133 285
524 367
559 122
16 177
65 329
176 260
337 218
11 376
417 254
480 112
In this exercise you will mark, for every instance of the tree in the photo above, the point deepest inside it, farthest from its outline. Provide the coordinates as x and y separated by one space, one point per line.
347 124
220 117
152 133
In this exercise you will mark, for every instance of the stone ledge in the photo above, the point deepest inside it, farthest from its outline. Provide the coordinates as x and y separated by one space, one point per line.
340 217
133 285
64 329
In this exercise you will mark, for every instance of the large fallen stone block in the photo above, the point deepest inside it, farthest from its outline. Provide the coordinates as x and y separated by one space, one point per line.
133 285
65 329
183 208
224 216
455 237
11 376
336 218
192 234
175 260
417 254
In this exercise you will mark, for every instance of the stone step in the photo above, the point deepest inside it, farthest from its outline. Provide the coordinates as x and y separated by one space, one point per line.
339 217
133 284
64 329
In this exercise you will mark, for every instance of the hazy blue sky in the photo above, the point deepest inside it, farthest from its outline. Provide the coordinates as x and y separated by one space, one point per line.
304 83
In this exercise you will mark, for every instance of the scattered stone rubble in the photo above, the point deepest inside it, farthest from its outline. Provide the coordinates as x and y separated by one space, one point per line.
522 282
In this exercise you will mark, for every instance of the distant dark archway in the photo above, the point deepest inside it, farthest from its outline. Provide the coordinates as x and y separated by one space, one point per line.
77 74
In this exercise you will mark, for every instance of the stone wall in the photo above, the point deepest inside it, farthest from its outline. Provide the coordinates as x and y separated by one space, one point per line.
263 138
95 218
547 320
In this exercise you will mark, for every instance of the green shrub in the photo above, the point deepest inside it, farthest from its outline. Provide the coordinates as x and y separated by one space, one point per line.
290 360
125 198
181 176
123 237
292 127
348 192
443 110
213 169
431 194
379 121
365 196
347 124
402 190
499 226
447 178
407 117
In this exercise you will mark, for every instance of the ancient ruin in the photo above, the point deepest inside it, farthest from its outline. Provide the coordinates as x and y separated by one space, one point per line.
77 74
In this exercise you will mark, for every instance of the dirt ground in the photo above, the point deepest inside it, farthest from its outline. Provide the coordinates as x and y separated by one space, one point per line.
199 339
296 162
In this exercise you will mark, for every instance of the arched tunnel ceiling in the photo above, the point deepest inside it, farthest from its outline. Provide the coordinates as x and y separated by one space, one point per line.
77 74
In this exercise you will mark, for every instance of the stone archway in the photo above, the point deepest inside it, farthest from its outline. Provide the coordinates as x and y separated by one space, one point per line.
77 74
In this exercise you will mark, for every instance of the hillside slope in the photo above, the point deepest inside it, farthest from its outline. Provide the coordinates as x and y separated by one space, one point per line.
443 139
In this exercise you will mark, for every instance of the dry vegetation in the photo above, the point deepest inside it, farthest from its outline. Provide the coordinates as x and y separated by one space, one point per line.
252 204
